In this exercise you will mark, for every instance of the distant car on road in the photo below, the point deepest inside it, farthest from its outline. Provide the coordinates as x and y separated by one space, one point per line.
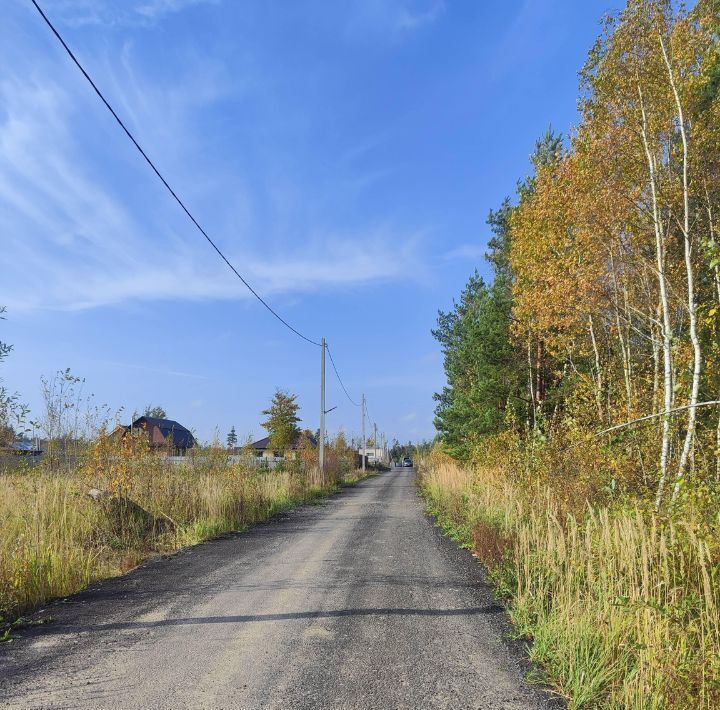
407 462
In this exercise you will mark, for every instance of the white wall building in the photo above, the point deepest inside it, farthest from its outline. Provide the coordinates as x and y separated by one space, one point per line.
375 455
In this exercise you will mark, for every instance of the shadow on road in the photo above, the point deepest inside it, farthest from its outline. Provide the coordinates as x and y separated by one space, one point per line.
289 616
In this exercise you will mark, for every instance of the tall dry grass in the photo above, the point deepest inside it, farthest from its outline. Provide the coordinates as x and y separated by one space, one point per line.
55 539
621 606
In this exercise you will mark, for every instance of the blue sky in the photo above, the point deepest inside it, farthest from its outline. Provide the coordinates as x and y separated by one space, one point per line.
343 154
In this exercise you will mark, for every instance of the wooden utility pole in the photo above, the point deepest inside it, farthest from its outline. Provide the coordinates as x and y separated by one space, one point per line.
321 443
362 454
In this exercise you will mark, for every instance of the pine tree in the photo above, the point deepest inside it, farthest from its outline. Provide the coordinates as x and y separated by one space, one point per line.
232 438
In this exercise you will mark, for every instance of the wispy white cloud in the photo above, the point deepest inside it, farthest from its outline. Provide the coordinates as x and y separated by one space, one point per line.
154 9
154 370
393 17
465 252
411 18
79 13
336 259
74 242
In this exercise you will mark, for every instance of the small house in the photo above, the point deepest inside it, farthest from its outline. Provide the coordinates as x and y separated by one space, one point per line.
165 434
262 447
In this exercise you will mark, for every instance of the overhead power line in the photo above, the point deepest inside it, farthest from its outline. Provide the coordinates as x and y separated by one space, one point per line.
165 182
337 374
367 413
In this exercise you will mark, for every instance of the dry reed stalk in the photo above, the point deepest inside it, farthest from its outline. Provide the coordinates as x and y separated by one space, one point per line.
622 606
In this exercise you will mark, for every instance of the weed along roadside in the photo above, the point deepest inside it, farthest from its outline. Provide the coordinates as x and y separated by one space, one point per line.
619 607
62 530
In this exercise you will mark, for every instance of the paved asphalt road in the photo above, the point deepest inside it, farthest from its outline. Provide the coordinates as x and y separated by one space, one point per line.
355 603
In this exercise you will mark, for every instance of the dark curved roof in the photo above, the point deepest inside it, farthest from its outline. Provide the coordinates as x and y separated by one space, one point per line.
182 438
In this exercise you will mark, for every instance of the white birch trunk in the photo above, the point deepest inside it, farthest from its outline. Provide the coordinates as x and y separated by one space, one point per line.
662 284
531 383
692 306
621 338
598 370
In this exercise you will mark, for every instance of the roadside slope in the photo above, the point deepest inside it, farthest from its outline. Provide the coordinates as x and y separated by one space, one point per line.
358 602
